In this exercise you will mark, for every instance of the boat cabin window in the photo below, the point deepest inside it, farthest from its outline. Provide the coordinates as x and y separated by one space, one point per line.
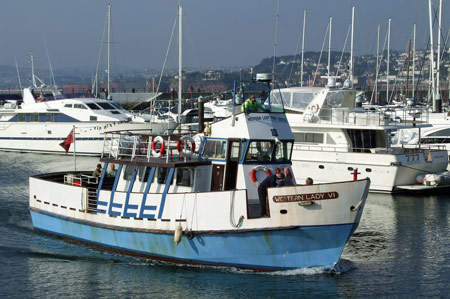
79 106
214 149
93 106
22 117
34 117
309 137
106 106
184 177
117 106
48 117
243 147
128 172
92 118
260 151
269 151
234 156
143 173
161 175
68 106
363 140
283 151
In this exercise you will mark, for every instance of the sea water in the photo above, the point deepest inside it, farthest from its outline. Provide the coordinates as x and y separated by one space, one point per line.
400 250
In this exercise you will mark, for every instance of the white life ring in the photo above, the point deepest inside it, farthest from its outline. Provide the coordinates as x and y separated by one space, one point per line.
315 108
155 152
198 138
255 170
183 147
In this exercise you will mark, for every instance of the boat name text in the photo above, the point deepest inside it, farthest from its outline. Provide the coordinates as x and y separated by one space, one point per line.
305 197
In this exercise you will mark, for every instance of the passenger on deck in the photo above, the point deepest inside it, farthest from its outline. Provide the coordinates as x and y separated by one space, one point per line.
98 171
281 180
309 181
251 105
288 177
112 170
269 181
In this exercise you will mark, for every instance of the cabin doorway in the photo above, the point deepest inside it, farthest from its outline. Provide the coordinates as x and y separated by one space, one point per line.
217 177
232 164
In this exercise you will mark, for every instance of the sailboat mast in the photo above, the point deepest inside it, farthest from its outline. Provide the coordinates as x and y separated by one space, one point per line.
438 58
414 62
430 4
180 58
329 48
303 47
109 48
388 58
351 47
378 64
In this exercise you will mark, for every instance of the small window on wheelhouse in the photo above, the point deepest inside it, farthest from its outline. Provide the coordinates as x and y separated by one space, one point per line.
214 149
283 151
234 156
260 151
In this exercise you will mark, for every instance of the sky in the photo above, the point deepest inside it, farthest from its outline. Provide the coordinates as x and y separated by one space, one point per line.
226 33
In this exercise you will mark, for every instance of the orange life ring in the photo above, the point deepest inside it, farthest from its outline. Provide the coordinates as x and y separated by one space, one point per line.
256 169
315 108
162 151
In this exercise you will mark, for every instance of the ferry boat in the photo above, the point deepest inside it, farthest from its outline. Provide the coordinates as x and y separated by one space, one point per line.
174 202
40 125
335 140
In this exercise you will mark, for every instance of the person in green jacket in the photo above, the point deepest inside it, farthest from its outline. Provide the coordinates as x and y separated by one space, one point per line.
251 105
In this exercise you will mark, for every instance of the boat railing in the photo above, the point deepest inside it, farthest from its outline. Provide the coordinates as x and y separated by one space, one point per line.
366 117
142 147
80 179
395 150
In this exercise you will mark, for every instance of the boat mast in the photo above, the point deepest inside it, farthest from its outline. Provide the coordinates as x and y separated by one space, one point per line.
180 59
430 4
351 47
388 56
303 47
109 49
437 107
414 61
275 42
378 64
329 48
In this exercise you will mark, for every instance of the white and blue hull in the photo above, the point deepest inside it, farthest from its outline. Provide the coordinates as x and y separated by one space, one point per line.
267 250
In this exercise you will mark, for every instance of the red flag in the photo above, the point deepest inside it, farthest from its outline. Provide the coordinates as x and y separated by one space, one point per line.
67 142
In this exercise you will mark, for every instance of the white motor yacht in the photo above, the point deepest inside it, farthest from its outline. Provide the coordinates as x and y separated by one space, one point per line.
334 140
41 124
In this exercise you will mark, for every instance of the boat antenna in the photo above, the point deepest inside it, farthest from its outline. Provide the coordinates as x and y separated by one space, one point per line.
275 41
343 50
388 58
18 77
